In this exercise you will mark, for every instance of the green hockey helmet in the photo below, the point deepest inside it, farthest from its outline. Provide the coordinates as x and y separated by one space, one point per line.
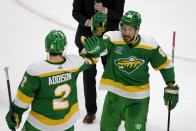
55 42
132 18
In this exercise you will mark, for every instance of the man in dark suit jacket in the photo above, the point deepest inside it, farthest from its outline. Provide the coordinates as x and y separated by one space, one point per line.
82 12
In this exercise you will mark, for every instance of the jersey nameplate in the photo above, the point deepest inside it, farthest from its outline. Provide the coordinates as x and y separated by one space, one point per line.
59 78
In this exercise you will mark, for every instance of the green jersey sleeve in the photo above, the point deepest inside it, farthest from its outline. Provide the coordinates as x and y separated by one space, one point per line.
88 60
159 59
168 74
27 90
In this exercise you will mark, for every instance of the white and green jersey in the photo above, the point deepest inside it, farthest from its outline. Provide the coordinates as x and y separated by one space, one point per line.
51 90
126 72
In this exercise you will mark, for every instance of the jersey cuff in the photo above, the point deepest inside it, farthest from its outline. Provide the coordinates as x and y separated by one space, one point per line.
168 75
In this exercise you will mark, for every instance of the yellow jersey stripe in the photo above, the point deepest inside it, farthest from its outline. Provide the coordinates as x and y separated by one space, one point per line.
82 39
145 47
57 72
56 61
119 42
163 65
94 60
51 122
24 98
123 87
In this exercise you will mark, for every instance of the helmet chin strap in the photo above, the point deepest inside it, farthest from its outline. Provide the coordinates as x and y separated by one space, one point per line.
136 34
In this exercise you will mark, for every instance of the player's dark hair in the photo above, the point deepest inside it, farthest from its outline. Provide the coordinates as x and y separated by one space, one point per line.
55 54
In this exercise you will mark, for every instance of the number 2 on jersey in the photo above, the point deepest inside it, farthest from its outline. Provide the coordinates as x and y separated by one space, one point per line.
61 103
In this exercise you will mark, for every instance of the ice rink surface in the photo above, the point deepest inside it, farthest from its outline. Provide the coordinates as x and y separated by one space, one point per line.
25 23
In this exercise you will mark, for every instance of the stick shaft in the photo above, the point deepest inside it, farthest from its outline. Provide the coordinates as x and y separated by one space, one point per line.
168 121
173 46
9 93
172 60
8 85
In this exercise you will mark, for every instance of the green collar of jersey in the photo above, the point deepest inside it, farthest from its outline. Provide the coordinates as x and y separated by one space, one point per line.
56 63
137 41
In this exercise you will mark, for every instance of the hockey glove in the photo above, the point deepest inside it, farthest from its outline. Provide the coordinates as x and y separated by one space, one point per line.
15 120
94 46
171 95
99 23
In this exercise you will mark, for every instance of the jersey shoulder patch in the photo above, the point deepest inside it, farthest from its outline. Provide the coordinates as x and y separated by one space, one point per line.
148 43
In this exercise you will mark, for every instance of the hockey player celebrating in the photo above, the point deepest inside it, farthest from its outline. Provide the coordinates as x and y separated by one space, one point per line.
126 76
50 87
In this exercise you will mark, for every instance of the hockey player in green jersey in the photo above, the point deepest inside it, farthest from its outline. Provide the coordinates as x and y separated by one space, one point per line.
49 86
126 76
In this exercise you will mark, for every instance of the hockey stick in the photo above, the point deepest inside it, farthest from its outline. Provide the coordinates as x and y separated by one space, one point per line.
168 121
173 46
172 60
9 93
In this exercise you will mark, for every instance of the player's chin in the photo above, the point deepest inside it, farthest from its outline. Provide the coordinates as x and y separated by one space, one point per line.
127 40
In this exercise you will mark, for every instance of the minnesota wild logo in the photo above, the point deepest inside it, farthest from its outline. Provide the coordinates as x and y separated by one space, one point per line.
128 65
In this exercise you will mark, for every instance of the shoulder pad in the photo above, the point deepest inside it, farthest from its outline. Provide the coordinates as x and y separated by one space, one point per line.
114 36
39 68
148 42
35 68
75 60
